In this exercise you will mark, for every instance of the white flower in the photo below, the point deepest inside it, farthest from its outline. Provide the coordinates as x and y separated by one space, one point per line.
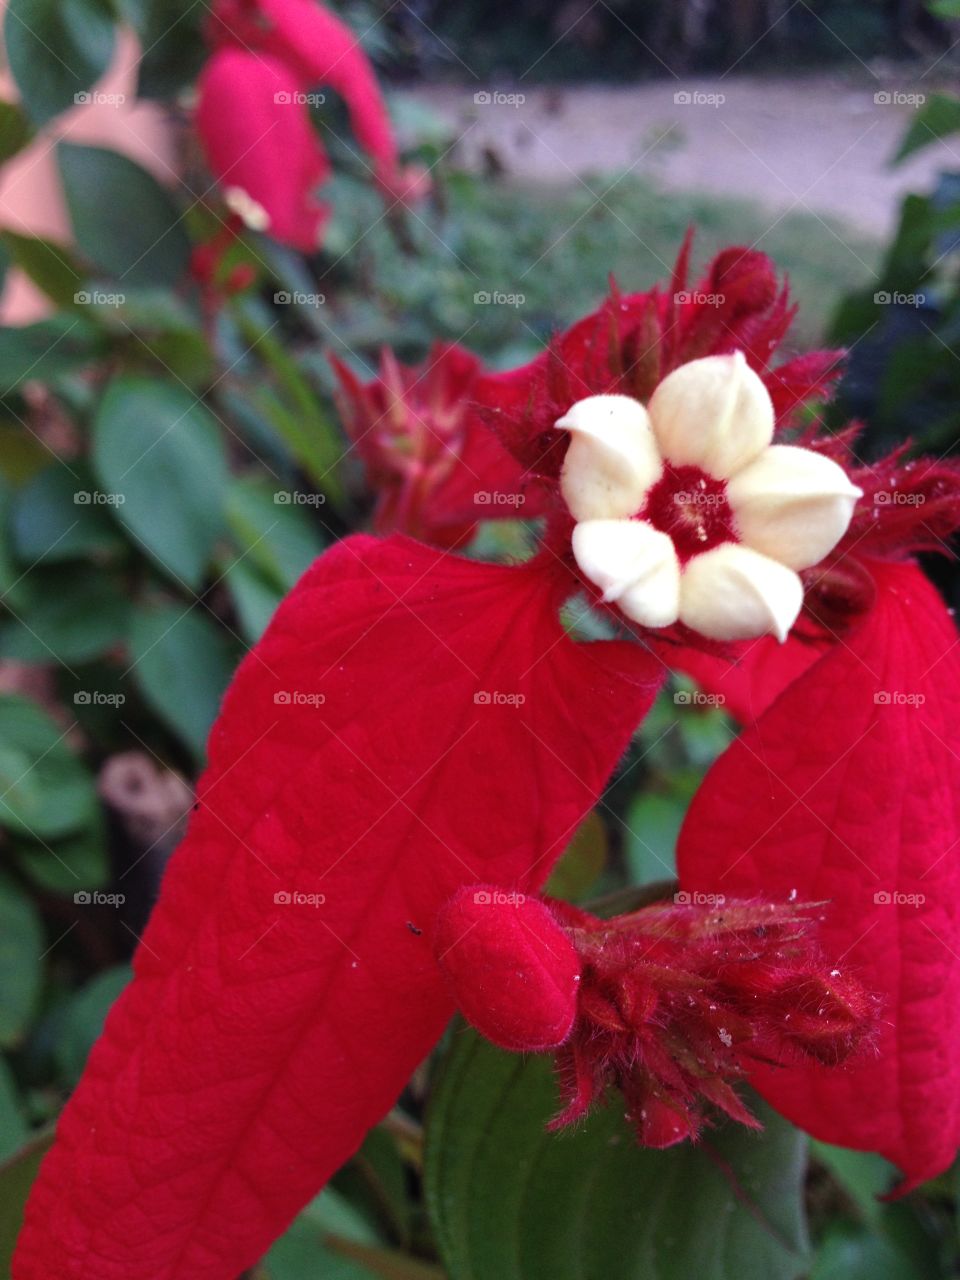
685 510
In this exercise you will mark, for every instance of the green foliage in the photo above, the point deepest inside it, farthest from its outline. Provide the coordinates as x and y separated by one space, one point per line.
57 50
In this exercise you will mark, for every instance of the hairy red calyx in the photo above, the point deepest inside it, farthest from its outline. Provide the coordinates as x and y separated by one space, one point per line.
677 1002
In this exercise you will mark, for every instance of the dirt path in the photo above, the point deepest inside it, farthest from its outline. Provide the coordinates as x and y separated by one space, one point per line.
822 143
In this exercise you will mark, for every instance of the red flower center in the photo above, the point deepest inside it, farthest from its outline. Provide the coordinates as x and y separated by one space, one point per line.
692 508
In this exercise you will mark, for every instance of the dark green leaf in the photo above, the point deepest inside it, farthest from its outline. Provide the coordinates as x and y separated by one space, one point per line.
173 46
66 616
46 350
183 663
57 49
15 131
16 1178
60 515
50 266
508 1199
275 533
302 1253
83 1021
22 947
156 447
45 791
581 862
851 1253
254 598
653 823
123 220
13 1124
937 118
864 1176
66 866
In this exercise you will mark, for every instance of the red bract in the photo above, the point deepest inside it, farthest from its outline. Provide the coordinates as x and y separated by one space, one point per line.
847 790
253 119
434 469
631 342
411 722
671 1005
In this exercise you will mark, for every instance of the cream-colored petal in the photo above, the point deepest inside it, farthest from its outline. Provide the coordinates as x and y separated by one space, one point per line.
713 413
633 564
735 593
612 459
792 504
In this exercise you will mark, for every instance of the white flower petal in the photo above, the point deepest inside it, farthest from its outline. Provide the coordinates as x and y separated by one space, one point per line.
612 459
735 593
633 564
792 504
713 413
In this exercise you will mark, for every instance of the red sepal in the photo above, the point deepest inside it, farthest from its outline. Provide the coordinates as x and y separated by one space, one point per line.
411 722
847 790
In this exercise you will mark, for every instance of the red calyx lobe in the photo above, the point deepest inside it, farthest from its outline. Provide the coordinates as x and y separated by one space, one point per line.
677 1001
846 789
259 1041
692 508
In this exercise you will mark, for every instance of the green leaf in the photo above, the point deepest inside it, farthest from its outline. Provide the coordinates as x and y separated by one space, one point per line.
159 452
183 663
276 533
45 791
83 1021
17 1175
508 1199
22 946
653 822
59 515
302 1253
937 118
254 598
13 1124
57 49
65 616
76 862
50 266
16 132
581 862
850 1253
945 8
123 220
46 350
172 41
861 1174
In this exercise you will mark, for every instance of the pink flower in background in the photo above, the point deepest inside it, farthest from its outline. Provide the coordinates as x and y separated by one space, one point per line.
253 118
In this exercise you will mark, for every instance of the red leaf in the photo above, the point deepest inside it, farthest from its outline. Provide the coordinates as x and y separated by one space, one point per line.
263 1036
753 676
848 790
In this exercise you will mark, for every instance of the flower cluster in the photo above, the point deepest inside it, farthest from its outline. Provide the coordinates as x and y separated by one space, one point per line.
464 733
253 113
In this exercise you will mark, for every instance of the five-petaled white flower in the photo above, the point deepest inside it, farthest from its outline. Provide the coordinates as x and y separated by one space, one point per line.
686 511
